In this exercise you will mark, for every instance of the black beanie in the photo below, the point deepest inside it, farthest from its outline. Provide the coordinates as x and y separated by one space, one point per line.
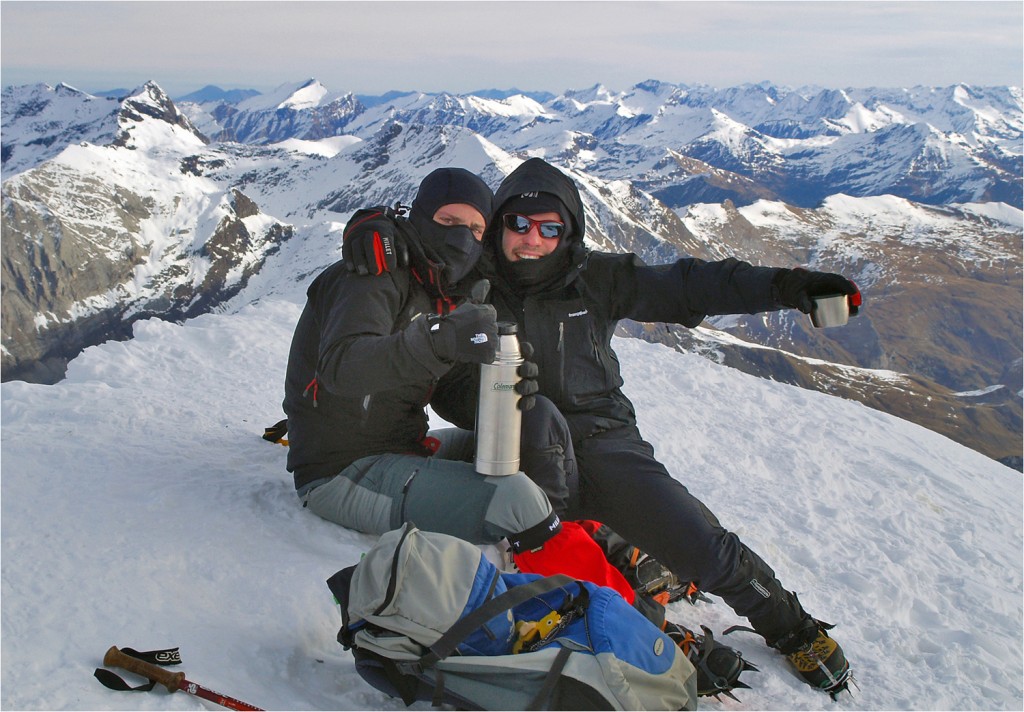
452 185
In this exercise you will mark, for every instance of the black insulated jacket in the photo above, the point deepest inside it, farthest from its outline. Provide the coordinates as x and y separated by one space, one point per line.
570 324
361 369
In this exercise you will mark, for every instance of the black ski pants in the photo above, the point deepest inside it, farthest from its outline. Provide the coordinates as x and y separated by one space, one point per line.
623 486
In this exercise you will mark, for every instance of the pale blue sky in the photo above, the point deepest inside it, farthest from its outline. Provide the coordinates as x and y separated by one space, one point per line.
372 47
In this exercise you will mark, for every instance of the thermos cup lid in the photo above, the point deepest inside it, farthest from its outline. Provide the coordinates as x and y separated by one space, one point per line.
507 327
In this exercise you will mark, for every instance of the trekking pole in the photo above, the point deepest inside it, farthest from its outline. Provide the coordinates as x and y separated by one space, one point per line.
173 681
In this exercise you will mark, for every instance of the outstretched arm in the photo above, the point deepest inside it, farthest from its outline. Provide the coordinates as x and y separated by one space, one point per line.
690 289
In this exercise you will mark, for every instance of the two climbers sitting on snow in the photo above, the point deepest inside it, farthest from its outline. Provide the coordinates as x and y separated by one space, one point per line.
366 355
381 335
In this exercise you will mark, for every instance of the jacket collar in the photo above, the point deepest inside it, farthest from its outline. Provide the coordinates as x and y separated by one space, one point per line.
487 268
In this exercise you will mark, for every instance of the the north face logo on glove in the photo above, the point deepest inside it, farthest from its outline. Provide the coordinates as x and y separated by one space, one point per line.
469 334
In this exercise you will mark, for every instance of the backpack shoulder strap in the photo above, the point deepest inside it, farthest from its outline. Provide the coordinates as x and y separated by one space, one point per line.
466 625
340 585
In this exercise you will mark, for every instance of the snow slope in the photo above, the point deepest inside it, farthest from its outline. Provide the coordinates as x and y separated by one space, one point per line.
141 508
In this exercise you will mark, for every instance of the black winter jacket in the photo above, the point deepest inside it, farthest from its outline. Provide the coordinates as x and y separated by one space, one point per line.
360 371
570 324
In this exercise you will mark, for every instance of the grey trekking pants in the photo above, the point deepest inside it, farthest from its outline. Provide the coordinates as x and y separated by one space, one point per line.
442 493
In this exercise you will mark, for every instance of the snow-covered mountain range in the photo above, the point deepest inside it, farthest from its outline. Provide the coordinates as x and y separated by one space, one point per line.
688 145
681 144
115 209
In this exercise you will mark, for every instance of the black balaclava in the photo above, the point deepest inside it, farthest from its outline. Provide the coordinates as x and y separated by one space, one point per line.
453 245
537 275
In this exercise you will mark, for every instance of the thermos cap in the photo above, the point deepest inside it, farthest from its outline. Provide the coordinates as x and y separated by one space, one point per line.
507 327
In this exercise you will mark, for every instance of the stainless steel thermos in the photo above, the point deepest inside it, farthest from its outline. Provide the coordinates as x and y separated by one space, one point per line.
498 418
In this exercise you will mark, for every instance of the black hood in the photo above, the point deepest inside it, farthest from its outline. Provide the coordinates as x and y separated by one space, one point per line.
538 176
561 266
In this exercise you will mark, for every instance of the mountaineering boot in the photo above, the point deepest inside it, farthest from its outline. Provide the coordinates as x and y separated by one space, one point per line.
822 664
646 575
718 666
649 576
818 659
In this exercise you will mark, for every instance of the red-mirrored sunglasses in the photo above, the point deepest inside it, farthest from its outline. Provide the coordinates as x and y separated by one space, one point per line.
521 224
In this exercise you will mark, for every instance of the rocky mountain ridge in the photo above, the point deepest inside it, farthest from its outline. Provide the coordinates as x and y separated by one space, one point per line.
104 234
146 209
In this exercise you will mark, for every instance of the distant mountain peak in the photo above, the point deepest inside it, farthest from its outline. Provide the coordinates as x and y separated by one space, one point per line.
212 94
540 97
151 102
597 92
306 96
68 90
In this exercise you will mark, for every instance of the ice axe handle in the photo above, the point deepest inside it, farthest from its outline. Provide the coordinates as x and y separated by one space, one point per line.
170 680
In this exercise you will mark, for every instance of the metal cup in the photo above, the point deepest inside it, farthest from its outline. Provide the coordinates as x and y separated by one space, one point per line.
830 310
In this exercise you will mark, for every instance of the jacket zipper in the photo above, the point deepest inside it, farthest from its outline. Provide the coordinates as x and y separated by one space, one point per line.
561 358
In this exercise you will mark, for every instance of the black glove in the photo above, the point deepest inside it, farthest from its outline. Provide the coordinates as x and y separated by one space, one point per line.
371 244
796 288
469 333
527 387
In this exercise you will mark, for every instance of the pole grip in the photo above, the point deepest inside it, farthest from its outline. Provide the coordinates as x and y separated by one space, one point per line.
170 680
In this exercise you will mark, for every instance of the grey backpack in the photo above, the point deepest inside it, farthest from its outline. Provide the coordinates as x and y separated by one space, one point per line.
428 617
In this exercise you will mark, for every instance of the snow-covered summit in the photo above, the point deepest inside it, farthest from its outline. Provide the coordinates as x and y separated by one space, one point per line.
297 96
151 102
187 531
